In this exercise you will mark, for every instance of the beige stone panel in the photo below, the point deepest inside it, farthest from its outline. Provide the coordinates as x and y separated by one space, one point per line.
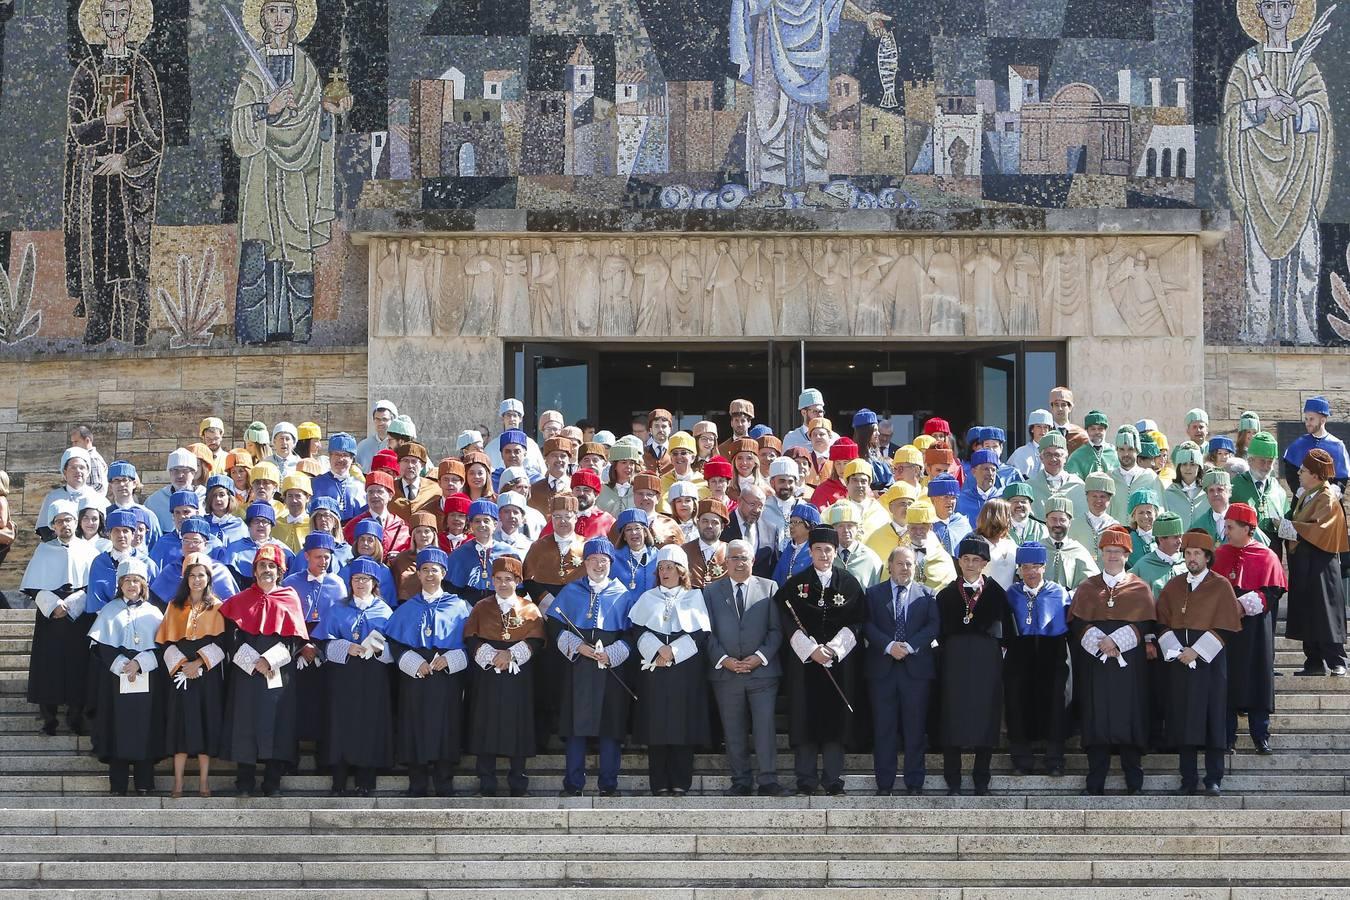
1298 373
1135 378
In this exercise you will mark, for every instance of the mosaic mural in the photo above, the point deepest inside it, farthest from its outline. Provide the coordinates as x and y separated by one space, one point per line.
183 174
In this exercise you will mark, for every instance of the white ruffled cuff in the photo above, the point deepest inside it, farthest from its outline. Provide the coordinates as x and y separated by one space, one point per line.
173 658
569 644
409 663
147 660
246 658
520 653
118 664
1253 604
843 643
484 656
212 655
802 645
337 650
1209 646
683 648
1092 640
618 653
1169 645
1125 638
648 646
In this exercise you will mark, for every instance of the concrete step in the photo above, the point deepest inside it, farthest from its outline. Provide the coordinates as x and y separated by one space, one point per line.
69 755
789 815
863 783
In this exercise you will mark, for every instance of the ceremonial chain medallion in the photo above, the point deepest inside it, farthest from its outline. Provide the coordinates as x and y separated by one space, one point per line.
969 601
715 570
511 619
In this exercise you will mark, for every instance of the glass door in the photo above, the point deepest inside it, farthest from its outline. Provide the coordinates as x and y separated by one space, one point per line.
561 377
996 386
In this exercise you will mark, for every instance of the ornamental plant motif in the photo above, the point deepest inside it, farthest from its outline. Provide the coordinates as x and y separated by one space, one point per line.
190 315
17 321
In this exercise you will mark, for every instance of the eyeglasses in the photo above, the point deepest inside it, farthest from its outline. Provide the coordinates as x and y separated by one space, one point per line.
738 558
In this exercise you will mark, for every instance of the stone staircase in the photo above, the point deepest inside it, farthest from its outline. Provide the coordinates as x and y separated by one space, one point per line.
1281 829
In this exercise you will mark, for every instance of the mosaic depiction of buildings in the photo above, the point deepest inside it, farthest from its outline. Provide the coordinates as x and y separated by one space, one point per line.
160 190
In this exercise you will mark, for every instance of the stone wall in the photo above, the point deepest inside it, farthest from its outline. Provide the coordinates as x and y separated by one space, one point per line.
141 409
1274 382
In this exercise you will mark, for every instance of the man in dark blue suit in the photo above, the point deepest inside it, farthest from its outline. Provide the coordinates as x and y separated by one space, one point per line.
902 622
747 524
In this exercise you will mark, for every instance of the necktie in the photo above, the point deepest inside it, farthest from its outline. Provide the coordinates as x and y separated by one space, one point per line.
407 490
657 450
843 554
900 615
740 601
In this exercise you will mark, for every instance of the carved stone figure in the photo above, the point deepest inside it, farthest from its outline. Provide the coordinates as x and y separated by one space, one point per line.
903 288
616 301
829 315
686 274
757 287
1107 276
795 287
421 281
545 306
871 309
654 287
483 272
1066 282
942 299
1024 291
726 312
515 307
1147 306
985 305
582 276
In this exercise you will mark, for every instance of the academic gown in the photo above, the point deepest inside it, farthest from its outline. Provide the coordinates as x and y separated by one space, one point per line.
1197 698
1269 500
970 665
195 713
1155 571
592 704
431 709
384 579
238 558
501 719
470 572
1028 531
164 586
1316 599
1068 564
130 726
1113 700
359 720
1036 669
637 573
835 617
260 722
792 561
673 706
1251 651
103 578
317 596
58 661
546 569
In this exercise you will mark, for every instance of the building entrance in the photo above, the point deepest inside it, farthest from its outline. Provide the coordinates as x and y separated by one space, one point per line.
611 384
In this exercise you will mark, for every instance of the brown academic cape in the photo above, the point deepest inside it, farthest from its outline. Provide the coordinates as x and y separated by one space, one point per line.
404 569
1113 699
541 497
702 573
1316 599
546 571
650 463
1197 699
502 704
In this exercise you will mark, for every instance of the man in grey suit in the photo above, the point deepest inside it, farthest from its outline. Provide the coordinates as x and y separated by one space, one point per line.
902 622
743 649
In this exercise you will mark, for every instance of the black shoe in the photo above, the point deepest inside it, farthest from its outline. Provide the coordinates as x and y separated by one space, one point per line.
363 792
678 792
661 792
805 790
953 791
1232 748
1213 790
77 725
1130 792
835 790
569 792
883 792
445 792
738 790
982 791
49 728
1091 792
243 792
611 792
1056 771
1185 790
914 791
272 792
418 792
518 792
487 792
1021 770
117 793
1311 673
337 792
771 790
1263 747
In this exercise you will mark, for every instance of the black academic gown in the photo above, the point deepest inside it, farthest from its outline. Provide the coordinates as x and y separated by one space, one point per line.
1035 684
58 661
260 723
1251 660
970 667
1113 702
1316 610
430 712
195 715
1197 699
591 701
501 721
360 720
673 707
129 727
817 713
